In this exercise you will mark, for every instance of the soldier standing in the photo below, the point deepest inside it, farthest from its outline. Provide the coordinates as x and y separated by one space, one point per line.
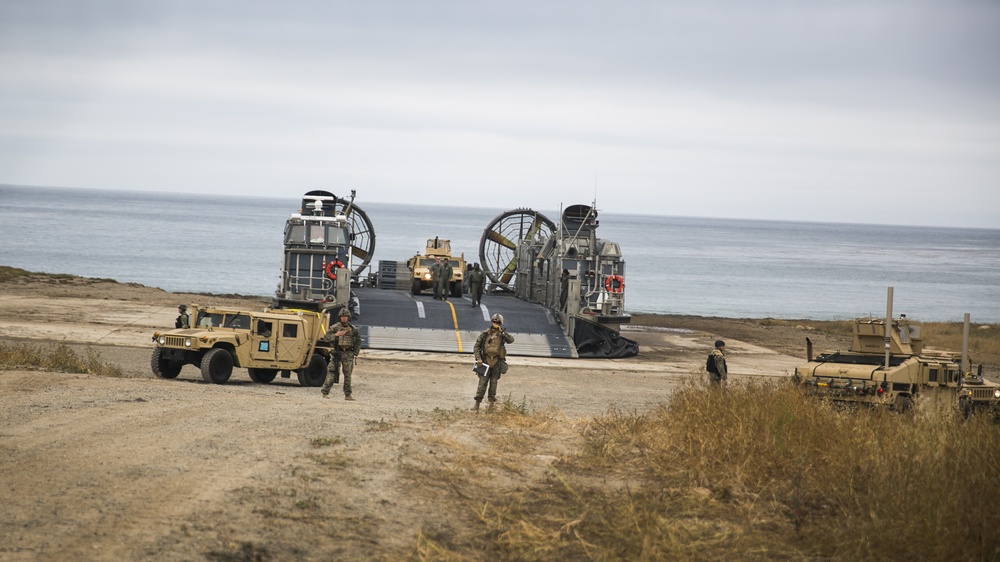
182 317
491 349
446 273
477 280
718 373
435 270
346 340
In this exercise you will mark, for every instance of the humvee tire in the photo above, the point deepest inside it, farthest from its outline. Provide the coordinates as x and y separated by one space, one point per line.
164 368
903 403
415 288
315 373
965 407
217 366
262 375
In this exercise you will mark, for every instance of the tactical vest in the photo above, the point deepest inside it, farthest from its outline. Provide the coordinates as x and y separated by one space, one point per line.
345 342
493 346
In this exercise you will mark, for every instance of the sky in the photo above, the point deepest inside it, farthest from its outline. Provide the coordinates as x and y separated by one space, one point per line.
879 111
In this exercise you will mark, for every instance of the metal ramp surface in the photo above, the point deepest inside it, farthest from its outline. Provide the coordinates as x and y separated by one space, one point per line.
389 319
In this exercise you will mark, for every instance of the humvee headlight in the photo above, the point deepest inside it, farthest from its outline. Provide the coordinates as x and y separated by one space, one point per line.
996 393
162 340
427 276
187 342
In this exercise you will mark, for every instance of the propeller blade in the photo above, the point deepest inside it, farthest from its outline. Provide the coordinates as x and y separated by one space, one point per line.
508 272
501 239
359 252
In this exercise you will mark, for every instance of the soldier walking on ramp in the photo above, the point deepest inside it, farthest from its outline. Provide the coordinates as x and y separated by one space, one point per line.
477 280
346 340
491 349
435 270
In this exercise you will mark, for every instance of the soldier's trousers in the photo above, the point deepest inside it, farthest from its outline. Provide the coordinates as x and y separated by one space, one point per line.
347 367
441 289
490 381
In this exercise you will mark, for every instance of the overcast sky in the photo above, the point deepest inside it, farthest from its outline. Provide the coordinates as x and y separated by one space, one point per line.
871 111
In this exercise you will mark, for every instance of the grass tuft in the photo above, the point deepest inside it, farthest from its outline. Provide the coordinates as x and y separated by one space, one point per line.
59 357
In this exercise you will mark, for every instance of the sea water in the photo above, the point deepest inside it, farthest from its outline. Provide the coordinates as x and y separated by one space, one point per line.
675 265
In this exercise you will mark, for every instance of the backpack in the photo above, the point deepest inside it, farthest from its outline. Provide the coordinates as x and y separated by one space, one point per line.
710 364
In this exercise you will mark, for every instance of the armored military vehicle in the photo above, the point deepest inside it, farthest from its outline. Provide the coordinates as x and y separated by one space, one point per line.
327 245
420 264
569 269
265 343
887 365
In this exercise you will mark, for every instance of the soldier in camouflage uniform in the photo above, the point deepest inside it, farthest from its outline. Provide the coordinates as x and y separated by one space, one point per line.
718 372
346 340
477 281
182 321
491 349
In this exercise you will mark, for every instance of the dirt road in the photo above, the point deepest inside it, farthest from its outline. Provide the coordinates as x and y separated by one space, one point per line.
136 468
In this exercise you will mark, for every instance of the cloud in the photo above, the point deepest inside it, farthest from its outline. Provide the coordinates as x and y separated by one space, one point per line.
769 110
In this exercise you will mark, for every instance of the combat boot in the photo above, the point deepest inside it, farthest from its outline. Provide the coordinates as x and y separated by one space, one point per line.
475 407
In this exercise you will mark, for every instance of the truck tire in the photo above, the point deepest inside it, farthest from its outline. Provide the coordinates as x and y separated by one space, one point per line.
903 403
965 407
315 373
415 288
217 366
262 375
164 368
456 289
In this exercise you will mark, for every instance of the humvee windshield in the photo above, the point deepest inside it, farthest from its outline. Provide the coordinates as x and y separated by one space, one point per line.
240 321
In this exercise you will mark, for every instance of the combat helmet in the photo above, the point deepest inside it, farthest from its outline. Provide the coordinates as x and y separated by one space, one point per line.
497 318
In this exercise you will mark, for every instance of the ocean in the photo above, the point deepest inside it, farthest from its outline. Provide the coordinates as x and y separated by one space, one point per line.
675 265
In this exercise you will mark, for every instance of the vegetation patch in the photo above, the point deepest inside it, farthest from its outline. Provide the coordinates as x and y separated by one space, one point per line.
58 357
754 471
8 274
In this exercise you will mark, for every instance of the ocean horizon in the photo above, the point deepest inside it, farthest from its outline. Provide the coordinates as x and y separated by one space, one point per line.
740 268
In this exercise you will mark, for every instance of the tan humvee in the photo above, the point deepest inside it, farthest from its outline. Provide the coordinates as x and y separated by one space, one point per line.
912 373
420 267
265 343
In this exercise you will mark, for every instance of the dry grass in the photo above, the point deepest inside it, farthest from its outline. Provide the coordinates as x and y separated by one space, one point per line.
60 358
8 273
751 472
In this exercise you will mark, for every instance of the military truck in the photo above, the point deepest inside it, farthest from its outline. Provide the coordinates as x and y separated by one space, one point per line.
887 365
265 343
420 267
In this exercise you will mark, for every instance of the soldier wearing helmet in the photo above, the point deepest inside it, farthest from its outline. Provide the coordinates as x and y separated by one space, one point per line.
182 321
491 350
346 343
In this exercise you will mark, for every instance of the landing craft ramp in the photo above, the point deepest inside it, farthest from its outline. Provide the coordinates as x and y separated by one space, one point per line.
401 321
